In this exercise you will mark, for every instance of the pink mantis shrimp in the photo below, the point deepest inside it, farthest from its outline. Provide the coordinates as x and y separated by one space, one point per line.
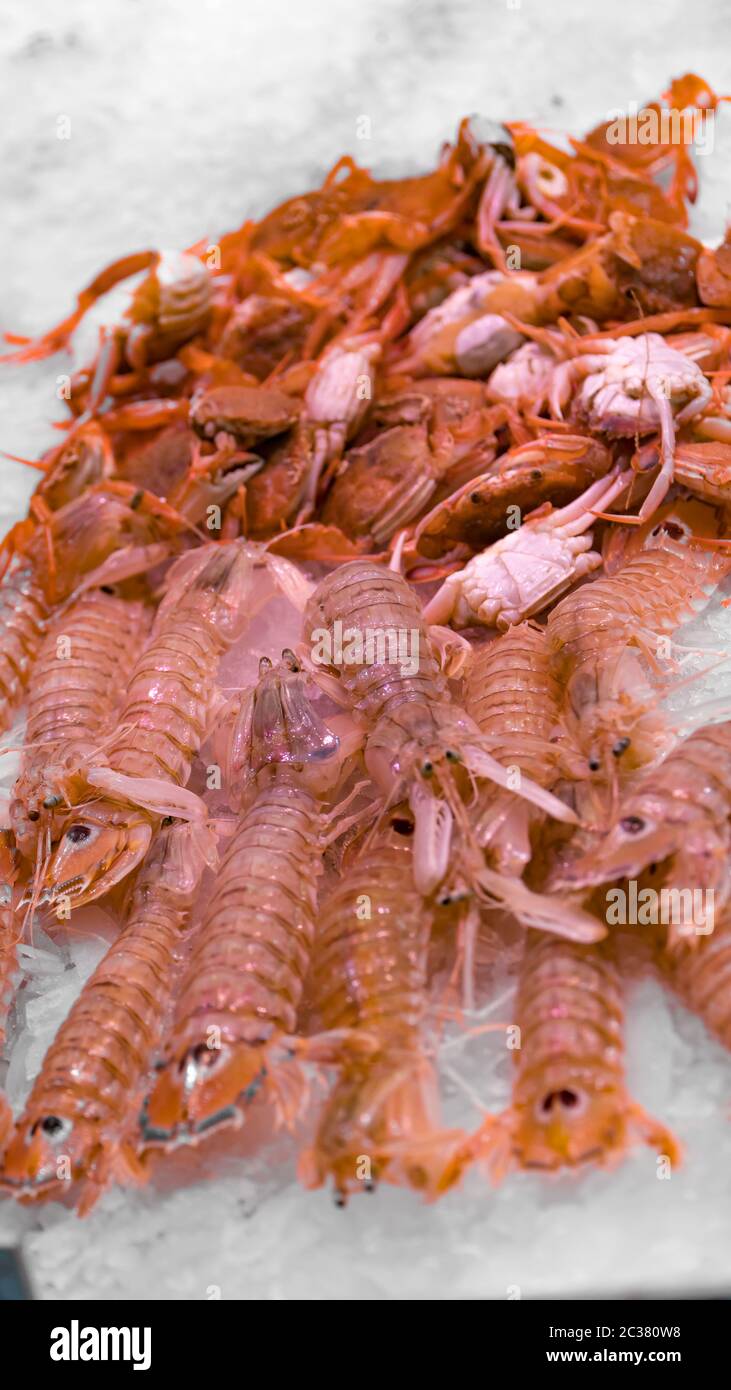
238 998
211 597
369 980
569 1105
79 1126
365 629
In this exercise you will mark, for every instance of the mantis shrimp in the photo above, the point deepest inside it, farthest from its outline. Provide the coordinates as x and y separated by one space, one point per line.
87 653
114 526
238 999
369 992
569 1104
365 624
678 811
701 975
598 636
9 934
211 596
512 693
79 1125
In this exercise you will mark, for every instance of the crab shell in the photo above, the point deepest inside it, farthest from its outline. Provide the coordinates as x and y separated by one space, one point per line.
618 397
246 412
557 469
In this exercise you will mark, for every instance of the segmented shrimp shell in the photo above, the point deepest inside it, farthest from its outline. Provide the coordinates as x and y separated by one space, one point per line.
241 991
8 967
23 614
597 633
679 812
82 666
244 981
212 595
702 977
167 702
569 1102
87 1093
369 990
395 687
513 694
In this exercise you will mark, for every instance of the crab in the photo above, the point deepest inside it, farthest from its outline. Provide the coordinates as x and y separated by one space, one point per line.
524 380
555 468
461 336
439 432
630 387
529 568
244 413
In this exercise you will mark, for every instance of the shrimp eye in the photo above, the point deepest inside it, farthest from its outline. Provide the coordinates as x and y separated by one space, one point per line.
77 834
632 824
34 815
594 764
51 801
451 756
427 768
564 1099
290 659
402 825
52 1126
620 747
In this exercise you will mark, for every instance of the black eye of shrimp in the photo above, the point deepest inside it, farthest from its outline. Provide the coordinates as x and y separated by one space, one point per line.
566 1099
452 757
402 825
50 1125
620 747
427 768
77 834
632 824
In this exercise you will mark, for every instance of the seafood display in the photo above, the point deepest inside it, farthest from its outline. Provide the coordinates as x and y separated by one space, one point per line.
336 646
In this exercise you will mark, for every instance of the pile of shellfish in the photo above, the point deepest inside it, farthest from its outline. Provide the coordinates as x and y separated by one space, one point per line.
471 431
